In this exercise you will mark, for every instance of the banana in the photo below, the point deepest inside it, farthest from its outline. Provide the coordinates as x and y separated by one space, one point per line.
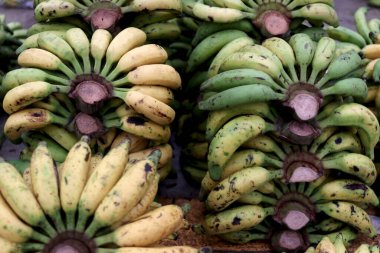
147 229
99 43
52 9
343 141
32 40
237 184
229 138
265 144
80 43
248 60
73 178
216 119
102 179
296 3
22 201
210 46
156 16
20 76
255 198
152 74
166 154
125 194
354 164
233 4
359 116
344 34
123 42
361 23
45 184
63 137
59 47
51 103
196 150
228 49
284 52
207 28
325 245
339 244
327 225
143 55
346 190
162 31
304 50
370 70
324 53
30 119
363 248
371 51
39 58
236 219
105 140
350 214
318 12
240 95
315 33
150 107
237 77
163 94
28 93
151 5
95 160
219 14
355 87
143 205
347 233
141 127
243 236
239 160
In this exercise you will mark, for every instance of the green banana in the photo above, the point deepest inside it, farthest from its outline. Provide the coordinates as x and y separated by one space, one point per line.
344 34
296 3
79 41
361 23
355 87
324 53
318 12
304 49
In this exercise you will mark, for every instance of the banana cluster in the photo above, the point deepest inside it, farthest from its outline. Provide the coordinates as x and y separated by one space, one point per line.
103 14
90 85
330 246
87 203
272 18
12 35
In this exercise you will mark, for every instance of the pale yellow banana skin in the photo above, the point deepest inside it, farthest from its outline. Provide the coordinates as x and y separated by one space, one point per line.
28 178
143 205
325 246
137 143
149 228
9 247
163 94
95 160
11 228
166 154
44 180
126 193
32 58
103 178
155 74
99 43
143 55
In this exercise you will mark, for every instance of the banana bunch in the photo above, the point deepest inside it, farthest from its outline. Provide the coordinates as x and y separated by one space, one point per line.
103 82
12 35
106 14
273 18
330 246
82 207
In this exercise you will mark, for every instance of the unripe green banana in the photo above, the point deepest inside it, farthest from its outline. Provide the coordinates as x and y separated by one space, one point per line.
80 43
304 49
361 23
162 31
323 55
233 4
345 34
31 41
339 67
210 46
255 198
240 95
355 87
296 3
226 51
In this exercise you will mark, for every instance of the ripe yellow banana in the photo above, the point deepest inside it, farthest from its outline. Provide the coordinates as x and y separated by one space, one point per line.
166 154
125 194
147 229
99 43
102 179
45 184
73 178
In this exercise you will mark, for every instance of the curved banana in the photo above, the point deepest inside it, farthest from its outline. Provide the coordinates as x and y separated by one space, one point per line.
343 141
99 43
323 55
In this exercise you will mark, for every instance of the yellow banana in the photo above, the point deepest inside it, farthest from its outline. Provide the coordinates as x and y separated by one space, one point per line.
166 154
99 43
